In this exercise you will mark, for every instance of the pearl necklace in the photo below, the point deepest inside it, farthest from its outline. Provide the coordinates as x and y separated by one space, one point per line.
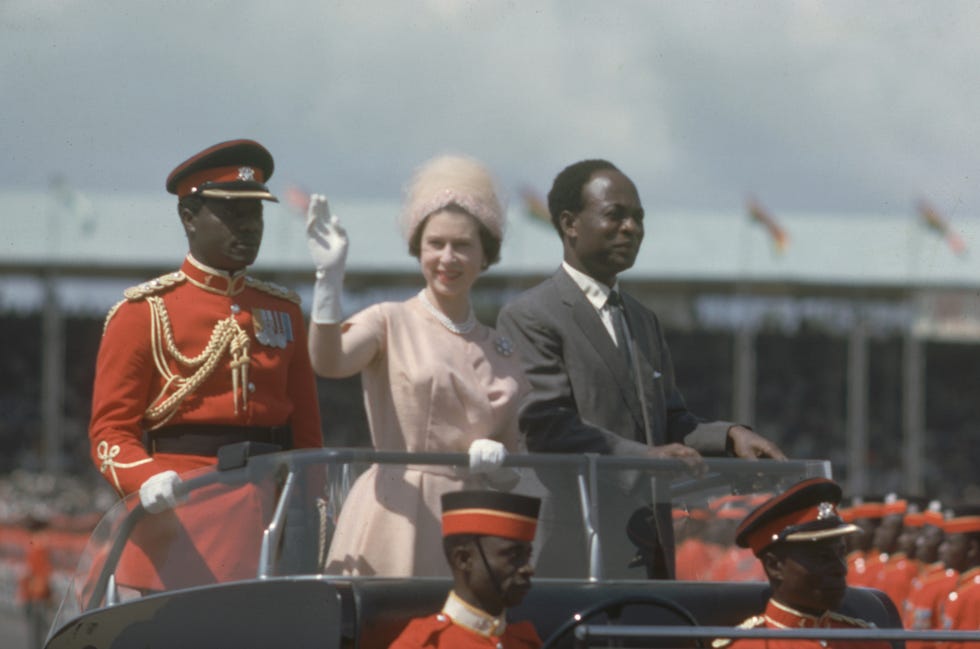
460 328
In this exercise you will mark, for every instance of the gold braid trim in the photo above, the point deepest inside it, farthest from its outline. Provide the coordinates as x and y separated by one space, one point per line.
750 623
112 312
864 624
140 291
154 286
226 335
107 456
274 289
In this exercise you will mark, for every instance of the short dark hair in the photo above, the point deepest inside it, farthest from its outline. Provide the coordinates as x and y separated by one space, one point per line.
566 190
453 541
488 242
192 202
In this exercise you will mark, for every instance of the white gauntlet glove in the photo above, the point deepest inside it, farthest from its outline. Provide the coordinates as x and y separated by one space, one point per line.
327 242
486 455
157 492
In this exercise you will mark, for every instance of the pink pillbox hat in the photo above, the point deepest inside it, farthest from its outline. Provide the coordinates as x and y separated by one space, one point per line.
452 180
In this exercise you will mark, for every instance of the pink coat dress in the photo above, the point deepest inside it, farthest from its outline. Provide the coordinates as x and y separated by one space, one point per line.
426 390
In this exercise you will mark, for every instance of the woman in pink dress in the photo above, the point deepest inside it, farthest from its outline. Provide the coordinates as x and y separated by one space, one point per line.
434 378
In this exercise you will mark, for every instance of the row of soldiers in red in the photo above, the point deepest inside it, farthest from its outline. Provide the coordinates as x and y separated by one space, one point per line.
706 549
926 559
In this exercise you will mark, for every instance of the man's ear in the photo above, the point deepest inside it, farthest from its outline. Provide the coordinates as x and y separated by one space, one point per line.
973 551
461 557
567 221
773 566
186 218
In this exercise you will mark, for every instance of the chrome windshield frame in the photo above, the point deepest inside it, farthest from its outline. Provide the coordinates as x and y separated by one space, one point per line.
586 467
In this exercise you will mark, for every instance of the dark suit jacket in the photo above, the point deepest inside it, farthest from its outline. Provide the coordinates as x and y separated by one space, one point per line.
582 398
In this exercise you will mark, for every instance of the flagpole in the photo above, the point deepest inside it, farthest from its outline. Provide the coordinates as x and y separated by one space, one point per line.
744 361
913 364
52 346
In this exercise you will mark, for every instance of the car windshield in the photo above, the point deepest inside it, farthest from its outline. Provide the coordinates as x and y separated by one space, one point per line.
275 516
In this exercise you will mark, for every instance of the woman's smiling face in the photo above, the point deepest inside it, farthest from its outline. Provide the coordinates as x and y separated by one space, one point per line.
451 254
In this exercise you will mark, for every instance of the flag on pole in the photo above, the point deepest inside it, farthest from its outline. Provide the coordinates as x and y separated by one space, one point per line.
75 204
297 199
535 206
759 214
938 224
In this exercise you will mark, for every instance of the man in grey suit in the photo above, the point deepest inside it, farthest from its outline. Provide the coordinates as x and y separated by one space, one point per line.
600 371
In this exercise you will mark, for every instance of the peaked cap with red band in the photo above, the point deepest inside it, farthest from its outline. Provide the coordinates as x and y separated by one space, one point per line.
964 519
894 506
915 515
863 509
807 511
933 515
233 169
490 513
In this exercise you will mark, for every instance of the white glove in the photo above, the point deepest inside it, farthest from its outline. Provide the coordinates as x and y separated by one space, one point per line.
486 455
157 492
327 242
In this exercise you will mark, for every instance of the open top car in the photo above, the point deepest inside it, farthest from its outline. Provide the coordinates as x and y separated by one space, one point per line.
241 561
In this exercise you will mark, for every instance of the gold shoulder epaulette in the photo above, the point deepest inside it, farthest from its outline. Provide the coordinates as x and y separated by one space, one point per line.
750 623
864 624
273 289
111 313
154 286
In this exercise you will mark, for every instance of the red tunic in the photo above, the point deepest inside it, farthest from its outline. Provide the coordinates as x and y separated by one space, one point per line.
35 583
694 559
857 568
780 616
873 563
198 346
438 631
922 606
141 383
961 610
895 578
736 564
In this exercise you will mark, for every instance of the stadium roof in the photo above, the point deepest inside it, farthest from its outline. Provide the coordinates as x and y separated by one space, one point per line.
116 231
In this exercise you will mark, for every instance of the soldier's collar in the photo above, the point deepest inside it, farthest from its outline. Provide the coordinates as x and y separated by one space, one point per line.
211 279
969 575
473 618
787 617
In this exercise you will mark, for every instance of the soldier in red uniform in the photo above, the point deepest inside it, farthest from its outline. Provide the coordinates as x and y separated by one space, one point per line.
34 585
961 551
487 540
695 555
865 514
204 356
894 571
797 537
885 537
731 562
934 581
895 577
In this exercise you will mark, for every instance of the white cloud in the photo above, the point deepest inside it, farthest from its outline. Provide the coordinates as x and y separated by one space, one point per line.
841 105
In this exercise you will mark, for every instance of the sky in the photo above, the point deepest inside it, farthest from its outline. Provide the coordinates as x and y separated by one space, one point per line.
835 106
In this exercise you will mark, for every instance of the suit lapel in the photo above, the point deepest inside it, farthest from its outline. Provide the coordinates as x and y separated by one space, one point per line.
595 334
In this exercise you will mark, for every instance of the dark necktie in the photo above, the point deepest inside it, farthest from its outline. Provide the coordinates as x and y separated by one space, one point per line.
618 316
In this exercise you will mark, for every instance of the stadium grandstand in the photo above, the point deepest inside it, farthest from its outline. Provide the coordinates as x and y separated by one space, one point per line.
852 337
